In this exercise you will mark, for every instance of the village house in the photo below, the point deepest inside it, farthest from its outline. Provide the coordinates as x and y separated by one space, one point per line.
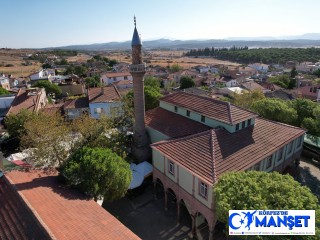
43 74
32 99
112 77
35 206
196 139
75 108
309 92
103 101
4 82
305 67
253 86
260 67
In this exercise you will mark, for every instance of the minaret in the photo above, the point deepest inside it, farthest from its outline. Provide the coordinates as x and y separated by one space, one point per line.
140 149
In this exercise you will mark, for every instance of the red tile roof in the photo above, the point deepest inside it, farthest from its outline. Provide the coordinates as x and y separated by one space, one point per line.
16 219
211 153
81 102
65 213
23 100
110 94
171 124
212 108
117 74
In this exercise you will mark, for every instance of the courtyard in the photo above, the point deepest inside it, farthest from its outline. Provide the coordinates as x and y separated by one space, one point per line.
146 216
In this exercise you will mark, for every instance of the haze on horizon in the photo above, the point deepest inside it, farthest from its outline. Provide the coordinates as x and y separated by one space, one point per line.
37 23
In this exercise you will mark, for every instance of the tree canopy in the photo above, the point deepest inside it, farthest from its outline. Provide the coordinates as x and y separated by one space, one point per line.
3 91
186 82
98 172
49 87
93 81
260 190
264 55
246 99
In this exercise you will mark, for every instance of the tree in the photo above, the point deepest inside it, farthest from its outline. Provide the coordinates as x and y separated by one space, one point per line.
304 108
98 172
317 72
3 91
186 82
276 110
293 72
246 99
49 87
282 81
175 68
15 126
80 71
152 97
50 139
153 82
46 65
93 81
260 190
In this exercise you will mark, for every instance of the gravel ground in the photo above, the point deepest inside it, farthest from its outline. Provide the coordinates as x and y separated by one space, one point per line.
308 173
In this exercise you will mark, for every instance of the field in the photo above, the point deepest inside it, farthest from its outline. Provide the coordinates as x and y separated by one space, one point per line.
166 58
11 62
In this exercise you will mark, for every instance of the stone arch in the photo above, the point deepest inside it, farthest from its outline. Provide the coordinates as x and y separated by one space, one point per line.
172 199
159 189
202 226
184 213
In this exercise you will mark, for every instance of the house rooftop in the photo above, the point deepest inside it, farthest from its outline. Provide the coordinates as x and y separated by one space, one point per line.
171 124
18 221
63 212
81 102
25 99
116 74
211 153
212 108
103 94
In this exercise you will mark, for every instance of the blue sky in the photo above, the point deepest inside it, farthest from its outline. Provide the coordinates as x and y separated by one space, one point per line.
48 23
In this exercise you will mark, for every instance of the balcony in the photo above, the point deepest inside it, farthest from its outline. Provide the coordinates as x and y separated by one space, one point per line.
138 67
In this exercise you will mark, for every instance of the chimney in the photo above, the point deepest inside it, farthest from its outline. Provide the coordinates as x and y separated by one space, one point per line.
102 89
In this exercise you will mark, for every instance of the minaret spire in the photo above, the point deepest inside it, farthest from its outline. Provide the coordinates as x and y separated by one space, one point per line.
141 144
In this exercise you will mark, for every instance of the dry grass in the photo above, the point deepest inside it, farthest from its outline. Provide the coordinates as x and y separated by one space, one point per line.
81 57
15 57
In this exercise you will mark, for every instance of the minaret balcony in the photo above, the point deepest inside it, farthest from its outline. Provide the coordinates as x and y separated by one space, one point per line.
138 67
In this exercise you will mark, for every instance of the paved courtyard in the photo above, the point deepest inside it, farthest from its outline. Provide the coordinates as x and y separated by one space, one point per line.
147 218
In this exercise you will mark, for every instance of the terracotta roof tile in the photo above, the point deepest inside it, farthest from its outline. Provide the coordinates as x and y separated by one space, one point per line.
16 219
81 102
110 94
23 100
212 108
116 74
66 213
171 124
211 153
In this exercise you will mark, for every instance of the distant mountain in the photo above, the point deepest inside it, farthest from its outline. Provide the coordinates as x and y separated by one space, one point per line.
302 41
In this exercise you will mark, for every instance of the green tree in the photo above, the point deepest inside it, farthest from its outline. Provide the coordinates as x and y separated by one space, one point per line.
246 99
93 81
260 190
80 71
49 87
175 68
46 65
3 91
153 82
275 109
98 172
152 97
51 139
304 108
186 82
293 72
282 81
317 72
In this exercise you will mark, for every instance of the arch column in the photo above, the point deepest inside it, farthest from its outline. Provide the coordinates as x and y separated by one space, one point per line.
165 200
193 227
178 212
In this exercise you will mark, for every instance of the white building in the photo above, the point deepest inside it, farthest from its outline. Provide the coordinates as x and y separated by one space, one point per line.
111 77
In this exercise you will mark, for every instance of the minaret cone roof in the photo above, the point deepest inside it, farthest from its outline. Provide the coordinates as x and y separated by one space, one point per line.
136 41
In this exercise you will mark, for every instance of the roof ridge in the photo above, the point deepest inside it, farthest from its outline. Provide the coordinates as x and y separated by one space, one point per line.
280 123
11 106
181 138
212 152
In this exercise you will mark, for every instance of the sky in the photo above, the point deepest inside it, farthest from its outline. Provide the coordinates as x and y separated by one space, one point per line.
52 23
